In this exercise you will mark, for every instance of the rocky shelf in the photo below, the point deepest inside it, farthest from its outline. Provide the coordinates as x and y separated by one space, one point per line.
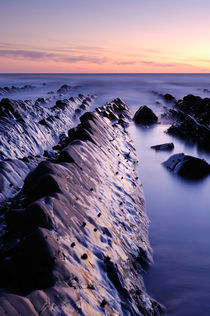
75 239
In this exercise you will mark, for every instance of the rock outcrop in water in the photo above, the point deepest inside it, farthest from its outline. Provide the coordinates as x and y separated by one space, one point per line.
187 166
75 237
13 89
64 89
166 146
191 118
145 116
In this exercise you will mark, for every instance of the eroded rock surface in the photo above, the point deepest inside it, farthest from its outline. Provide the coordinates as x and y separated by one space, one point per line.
75 240
28 128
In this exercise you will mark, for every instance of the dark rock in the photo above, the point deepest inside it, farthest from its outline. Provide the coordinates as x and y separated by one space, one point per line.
169 98
80 133
64 89
49 154
61 104
103 303
44 123
88 116
143 259
84 256
166 146
145 116
11 108
41 100
187 166
82 106
188 128
197 107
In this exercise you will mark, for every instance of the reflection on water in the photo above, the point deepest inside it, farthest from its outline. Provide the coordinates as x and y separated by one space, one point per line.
179 211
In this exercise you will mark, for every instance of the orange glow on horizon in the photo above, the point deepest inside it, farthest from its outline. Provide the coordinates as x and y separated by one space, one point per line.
107 37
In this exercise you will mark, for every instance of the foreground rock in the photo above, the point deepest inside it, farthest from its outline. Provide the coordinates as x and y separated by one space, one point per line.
145 116
166 146
187 166
75 240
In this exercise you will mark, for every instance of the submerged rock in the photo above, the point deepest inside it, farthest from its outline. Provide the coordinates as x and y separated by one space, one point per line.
187 166
145 116
166 146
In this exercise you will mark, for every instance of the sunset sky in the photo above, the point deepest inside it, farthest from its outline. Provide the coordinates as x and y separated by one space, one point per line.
105 36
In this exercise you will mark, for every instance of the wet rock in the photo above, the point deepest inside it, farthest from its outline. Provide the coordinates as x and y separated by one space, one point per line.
79 133
11 108
64 89
49 154
188 128
187 166
51 249
166 146
197 107
61 104
145 116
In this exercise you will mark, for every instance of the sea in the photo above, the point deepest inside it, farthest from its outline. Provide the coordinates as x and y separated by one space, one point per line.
178 209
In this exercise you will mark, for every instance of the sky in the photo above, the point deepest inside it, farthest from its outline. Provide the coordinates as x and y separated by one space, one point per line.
104 36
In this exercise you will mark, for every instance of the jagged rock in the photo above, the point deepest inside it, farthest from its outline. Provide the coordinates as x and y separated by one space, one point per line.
21 130
197 107
187 166
40 100
11 108
61 104
145 116
57 242
188 128
14 89
166 146
49 154
64 89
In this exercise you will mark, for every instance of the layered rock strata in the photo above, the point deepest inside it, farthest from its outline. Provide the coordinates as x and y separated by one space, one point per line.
75 239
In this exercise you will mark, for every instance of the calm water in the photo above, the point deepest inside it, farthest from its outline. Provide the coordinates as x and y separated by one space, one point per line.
179 210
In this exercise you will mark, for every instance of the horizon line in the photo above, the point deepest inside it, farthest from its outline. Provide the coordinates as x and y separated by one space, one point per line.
105 73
